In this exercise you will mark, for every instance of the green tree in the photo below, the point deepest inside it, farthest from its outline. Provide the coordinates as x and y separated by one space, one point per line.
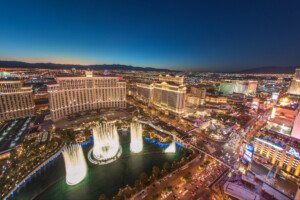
155 173
87 132
137 185
118 125
117 197
103 197
175 164
13 155
169 139
135 113
144 179
166 168
146 134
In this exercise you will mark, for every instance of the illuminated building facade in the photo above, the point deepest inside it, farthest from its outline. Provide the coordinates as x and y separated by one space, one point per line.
168 96
196 96
145 92
78 94
227 86
169 78
284 121
195 100
255 103
296 127
238 86
215 99
16 101
294 88
199 91
286 158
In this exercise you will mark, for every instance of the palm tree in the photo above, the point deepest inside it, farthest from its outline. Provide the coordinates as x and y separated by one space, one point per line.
155 173
166 168
144 179
103 197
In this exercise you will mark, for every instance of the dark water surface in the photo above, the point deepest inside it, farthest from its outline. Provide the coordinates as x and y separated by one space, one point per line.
50 183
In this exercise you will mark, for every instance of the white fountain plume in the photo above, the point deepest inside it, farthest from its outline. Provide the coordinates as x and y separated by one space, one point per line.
75 164
106 142
171 148
136 136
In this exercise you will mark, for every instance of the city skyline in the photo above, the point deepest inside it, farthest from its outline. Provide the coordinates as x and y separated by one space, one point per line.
178 134
198 36
150 100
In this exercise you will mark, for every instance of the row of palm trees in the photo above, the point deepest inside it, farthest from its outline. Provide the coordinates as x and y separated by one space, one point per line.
144 180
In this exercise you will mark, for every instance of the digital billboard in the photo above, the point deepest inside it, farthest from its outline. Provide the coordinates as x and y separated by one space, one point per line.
275 96
248 152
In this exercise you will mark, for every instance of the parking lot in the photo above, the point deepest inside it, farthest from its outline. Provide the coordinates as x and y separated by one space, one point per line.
13 132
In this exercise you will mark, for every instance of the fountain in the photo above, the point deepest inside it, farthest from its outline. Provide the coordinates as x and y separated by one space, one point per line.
75 164
136 136
106 144
171 148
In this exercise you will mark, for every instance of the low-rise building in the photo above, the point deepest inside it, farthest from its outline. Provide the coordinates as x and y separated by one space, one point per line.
239 192
195 100
238 86
198 91
215 99
170 78
285 121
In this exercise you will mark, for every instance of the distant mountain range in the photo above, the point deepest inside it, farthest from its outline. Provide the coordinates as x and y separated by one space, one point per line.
270 70
19 64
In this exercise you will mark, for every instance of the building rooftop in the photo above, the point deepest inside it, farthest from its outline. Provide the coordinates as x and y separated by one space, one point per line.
247 179
282 120
240 192
13 133
274 193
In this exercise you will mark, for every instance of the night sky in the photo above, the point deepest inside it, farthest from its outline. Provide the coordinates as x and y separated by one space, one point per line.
216 35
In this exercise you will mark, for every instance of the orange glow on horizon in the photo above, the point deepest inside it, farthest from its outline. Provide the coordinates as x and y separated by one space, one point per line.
63 60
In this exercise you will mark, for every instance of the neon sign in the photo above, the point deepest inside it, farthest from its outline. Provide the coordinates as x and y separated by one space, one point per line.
293 152
249 147
268 143
106 72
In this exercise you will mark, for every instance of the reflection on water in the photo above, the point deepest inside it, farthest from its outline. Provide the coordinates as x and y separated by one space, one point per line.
50 183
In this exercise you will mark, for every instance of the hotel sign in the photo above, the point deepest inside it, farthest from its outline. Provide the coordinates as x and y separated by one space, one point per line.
293 152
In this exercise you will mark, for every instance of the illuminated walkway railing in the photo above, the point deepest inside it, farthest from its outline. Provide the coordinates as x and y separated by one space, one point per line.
37 169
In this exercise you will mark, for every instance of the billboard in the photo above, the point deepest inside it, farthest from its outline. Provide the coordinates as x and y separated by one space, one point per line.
246 153
275 96
106 72
244 162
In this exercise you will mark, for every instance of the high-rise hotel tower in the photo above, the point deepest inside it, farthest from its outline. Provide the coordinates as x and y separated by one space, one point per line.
16 101
78 94
294 88
168 96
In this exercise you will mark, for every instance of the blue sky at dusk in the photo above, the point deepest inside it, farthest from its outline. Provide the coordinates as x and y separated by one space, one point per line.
210 35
